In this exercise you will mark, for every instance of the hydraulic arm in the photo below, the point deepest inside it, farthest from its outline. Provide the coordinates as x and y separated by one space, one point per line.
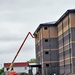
12 63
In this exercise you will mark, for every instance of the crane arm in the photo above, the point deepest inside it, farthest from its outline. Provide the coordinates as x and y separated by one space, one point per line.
12 63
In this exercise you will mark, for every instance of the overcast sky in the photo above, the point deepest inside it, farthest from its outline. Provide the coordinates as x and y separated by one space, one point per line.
18 17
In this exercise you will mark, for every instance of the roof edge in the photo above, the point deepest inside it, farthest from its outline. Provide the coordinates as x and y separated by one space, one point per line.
57 22
65 14
43 25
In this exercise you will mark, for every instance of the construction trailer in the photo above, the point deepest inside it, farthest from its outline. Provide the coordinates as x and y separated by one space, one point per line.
24 67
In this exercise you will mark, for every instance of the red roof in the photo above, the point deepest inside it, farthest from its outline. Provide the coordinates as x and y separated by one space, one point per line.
20 64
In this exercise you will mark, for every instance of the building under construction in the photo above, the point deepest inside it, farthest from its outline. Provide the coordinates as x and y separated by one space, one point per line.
55 45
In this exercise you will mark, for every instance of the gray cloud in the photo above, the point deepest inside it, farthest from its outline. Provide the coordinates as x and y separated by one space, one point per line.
25 54
18 17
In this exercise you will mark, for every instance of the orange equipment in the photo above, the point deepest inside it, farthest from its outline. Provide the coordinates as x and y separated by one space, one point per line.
12 63
12 73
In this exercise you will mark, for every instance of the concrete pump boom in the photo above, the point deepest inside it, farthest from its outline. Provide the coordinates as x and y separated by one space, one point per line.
12 63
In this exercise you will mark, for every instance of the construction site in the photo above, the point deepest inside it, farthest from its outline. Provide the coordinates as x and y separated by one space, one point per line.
54 47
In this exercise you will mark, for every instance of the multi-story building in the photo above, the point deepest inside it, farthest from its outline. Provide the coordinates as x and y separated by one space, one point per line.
66 41
55 45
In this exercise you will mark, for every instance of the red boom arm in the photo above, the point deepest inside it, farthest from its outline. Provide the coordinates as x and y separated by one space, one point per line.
20 49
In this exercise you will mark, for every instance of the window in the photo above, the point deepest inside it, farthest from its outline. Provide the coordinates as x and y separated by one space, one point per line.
7 69
47 65
46 52
45 28
25 68
46 40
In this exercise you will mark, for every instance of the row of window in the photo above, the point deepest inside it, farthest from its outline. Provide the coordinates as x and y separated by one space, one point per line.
51 65
64 40
46 40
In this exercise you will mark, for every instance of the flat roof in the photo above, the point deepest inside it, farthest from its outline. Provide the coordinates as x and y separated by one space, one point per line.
18 64
43 25
22 64
55 22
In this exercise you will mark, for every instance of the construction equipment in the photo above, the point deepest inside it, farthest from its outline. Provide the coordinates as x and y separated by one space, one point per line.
12 63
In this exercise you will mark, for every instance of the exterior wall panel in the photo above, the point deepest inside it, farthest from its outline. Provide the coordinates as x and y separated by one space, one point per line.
73 34
45 33
72 19
67 69
46 56
53 32
53 43
73 49
54 55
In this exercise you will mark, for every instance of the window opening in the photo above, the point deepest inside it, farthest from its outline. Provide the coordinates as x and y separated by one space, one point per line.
46 40
46 52
45 28
47 65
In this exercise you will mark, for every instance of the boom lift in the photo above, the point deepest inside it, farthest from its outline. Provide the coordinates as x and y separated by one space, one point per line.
12 63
